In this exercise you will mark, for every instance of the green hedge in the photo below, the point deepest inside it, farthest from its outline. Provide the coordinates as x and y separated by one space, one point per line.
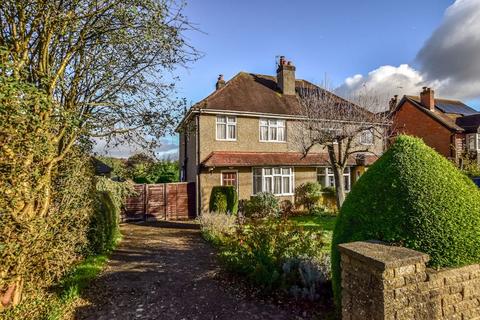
413 197
224 199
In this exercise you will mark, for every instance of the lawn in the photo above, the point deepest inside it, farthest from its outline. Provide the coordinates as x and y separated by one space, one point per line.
324 223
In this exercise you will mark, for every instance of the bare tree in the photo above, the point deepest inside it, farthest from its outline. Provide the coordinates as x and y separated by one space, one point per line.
349 130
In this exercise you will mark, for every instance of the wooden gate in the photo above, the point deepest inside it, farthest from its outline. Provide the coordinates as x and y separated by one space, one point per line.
164 201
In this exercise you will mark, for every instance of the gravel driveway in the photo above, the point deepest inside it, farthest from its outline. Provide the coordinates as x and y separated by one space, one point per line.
167 271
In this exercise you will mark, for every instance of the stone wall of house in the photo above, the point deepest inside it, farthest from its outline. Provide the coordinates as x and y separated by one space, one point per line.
386 282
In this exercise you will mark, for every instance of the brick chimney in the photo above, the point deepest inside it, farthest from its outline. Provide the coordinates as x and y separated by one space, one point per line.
393 103
286 76
220 82
427 98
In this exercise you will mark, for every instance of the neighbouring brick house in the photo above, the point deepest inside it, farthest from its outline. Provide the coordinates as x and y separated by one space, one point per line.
242 135
449 126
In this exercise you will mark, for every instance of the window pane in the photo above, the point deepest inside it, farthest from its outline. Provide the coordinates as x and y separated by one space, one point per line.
286 185
330 181
221 119
278 185
281 134
257 184
231 132
286 170
257 171
268 184
321 180
273 133
281 123
263 122
268 171
221 131
329 171
276 171
264 133
231 119
272 122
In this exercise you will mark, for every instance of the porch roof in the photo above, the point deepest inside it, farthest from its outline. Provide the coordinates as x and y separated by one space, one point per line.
249 159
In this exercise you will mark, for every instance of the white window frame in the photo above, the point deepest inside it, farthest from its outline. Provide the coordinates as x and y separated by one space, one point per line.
326 174
280 123
229 171
226 122
265 176
364 141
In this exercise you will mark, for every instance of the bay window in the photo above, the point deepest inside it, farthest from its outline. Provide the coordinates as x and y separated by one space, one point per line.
227 128
276 180
272 130
366 137
326 177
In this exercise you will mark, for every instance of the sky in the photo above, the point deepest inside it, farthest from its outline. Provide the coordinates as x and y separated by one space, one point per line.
390 47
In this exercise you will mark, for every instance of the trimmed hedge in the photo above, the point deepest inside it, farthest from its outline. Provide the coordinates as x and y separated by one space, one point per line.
413 197
224 199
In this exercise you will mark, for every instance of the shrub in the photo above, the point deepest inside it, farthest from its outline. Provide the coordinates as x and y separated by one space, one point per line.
286 207
308 194
264 246
224 199
103 230
414 197
216 226
308 278
262 205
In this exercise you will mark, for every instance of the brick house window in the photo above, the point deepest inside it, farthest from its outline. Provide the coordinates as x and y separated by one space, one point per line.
326 178
227 128
276 180
272 130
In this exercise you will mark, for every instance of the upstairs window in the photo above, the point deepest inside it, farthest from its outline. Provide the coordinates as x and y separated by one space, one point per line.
272 130
227 128
366 137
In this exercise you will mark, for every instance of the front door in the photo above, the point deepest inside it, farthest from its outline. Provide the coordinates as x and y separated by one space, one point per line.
229 178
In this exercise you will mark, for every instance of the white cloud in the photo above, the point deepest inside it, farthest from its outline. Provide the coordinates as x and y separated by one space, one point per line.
385 81
449 62
168 149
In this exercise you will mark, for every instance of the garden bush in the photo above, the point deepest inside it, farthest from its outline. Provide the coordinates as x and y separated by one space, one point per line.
216 227
413 197
224 199
103 231
261 205
260 251
308 194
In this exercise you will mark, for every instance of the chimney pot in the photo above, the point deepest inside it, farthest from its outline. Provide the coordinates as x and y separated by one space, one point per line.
220 82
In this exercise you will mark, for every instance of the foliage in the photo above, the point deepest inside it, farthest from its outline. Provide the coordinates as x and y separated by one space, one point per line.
261 205
308 194
104 224
286 208
224 199
471 167
329 199
306 277
260 250
426 204
216 227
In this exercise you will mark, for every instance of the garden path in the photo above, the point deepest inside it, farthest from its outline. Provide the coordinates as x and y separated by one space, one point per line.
166 271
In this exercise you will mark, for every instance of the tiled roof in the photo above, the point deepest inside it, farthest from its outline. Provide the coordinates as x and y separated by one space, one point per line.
257 93
248 159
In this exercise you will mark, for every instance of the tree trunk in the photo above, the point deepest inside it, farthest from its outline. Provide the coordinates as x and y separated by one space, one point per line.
339 185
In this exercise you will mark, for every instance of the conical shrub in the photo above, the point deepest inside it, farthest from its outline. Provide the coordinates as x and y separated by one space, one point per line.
413 197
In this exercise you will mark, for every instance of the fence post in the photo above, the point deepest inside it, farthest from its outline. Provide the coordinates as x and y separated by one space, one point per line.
145 200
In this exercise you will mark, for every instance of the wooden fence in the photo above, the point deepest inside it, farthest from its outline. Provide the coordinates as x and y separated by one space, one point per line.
164 201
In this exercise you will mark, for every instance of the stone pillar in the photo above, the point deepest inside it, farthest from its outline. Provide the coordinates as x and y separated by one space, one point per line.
374 280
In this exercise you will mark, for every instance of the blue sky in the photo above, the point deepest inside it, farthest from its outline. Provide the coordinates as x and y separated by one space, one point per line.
337 38
391 47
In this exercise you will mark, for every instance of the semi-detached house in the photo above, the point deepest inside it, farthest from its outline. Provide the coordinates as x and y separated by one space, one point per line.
243 134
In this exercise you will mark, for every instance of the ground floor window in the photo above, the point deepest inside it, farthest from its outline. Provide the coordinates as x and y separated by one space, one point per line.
276 180
229 178
326 178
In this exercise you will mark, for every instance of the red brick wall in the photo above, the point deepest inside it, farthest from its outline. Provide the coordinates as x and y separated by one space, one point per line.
412 121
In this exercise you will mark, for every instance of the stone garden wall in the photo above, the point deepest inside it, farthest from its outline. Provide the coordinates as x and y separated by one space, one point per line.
386 282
